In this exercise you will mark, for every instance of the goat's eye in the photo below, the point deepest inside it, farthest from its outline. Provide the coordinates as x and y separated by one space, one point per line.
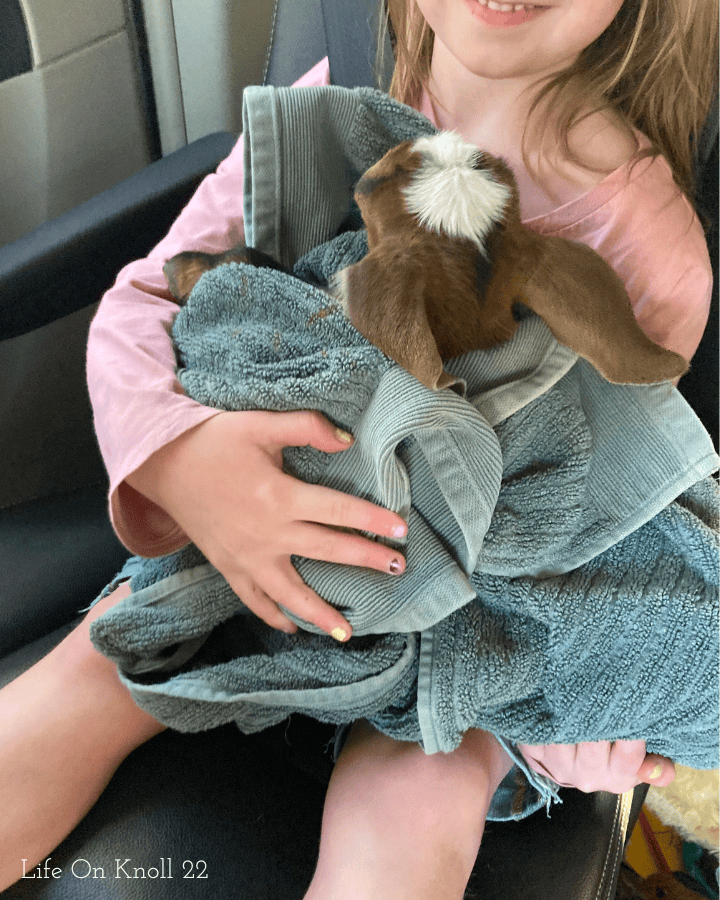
367 183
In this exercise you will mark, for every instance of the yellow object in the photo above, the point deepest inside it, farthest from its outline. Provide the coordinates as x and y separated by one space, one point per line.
639 856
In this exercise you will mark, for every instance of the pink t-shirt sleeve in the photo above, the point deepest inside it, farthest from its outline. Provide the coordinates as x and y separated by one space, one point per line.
138 403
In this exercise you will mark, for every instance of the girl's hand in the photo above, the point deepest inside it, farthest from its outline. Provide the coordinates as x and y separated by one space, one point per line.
616 766
223 483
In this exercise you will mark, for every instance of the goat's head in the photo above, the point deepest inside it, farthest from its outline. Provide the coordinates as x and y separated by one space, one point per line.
449 260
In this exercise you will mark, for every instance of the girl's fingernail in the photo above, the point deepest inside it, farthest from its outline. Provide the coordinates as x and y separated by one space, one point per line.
339 634
656 772
344 436
399 531
395 566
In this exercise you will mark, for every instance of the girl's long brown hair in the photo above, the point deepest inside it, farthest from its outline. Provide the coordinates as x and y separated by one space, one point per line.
656 65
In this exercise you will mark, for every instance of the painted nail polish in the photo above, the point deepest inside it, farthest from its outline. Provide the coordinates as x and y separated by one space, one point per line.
339 634
344 436
395 566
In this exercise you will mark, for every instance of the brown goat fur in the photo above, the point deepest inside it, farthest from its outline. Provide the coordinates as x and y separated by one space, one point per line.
436 286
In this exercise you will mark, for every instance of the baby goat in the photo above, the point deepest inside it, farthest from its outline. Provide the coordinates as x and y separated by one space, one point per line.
449 260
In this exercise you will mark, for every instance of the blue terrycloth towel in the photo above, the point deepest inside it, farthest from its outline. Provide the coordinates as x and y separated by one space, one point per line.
562 554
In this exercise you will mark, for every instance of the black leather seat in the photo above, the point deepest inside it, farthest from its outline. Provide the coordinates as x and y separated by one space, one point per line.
215 814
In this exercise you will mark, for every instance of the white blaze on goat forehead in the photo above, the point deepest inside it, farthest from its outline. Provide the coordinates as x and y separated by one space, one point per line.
448 194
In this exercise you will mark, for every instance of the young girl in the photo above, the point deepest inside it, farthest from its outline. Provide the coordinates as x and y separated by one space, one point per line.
578 96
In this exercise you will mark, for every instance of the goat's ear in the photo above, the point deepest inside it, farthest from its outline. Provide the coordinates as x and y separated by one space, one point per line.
586 307
184 270
387 305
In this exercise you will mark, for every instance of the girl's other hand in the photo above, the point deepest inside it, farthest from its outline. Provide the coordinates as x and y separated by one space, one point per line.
613 766
223 483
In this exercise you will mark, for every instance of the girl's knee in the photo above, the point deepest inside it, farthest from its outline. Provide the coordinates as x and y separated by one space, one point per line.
79 671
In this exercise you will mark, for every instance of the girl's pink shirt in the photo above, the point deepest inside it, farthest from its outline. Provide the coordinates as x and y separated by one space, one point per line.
636 218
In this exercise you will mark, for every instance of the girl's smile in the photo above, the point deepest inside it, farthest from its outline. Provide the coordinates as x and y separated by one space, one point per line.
503 15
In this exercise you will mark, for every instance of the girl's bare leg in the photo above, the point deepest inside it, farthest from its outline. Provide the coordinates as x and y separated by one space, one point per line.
400 825
67 724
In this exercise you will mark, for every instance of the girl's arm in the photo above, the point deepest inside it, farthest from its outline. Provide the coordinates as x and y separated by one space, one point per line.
138 403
